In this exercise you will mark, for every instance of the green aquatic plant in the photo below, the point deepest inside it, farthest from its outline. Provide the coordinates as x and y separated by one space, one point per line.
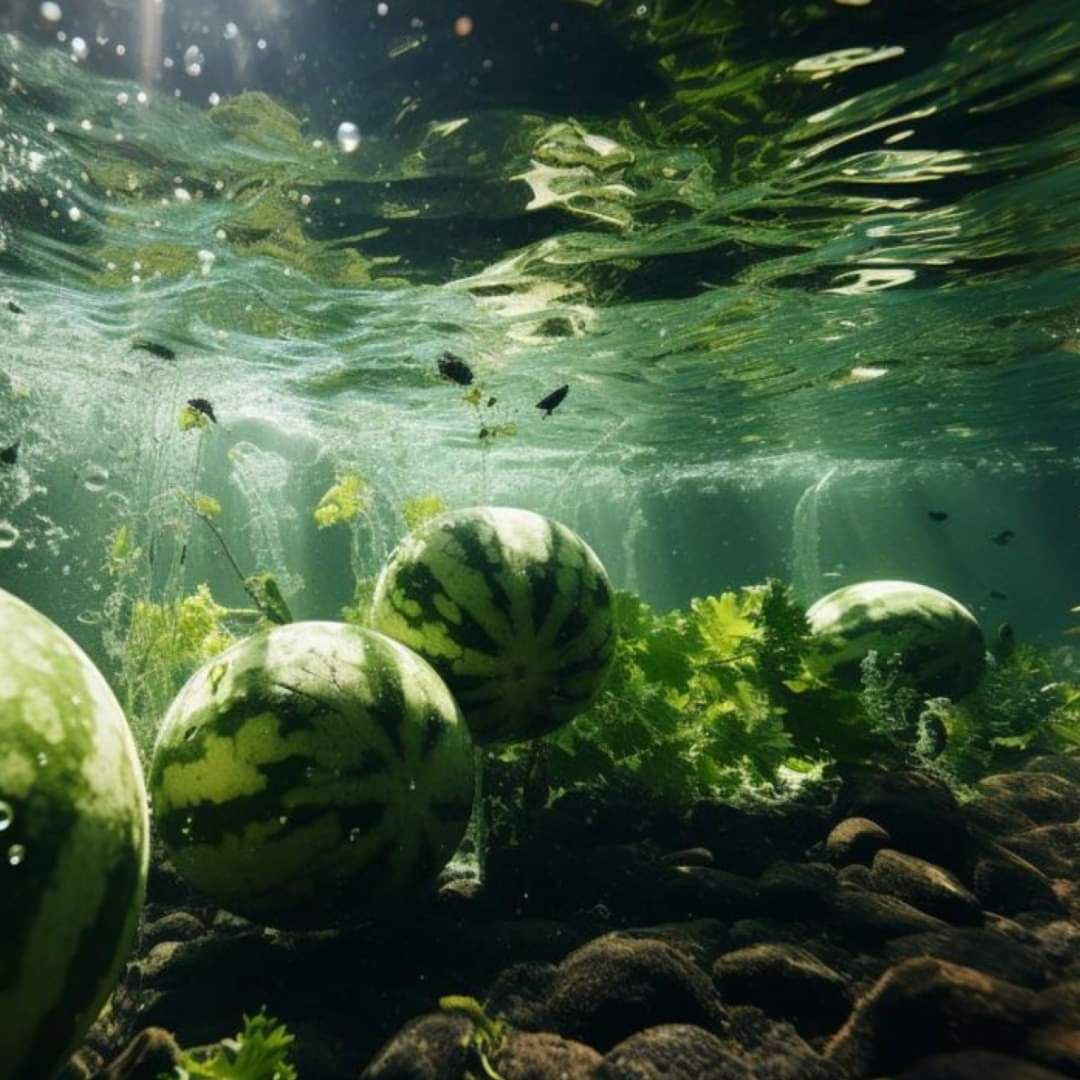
191 419
348 497
423 508
259 1052
487 1036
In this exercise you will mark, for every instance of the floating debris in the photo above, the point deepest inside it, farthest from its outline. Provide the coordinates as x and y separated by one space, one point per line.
10 454
15 309
553 400
937 515
201 405
154 348
491 401
1003 537
455 369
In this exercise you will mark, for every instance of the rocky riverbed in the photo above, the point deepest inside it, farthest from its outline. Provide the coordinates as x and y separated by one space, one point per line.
875 929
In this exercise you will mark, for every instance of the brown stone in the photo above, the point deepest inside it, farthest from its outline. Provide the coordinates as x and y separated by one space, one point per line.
856 840
926 886
1045 797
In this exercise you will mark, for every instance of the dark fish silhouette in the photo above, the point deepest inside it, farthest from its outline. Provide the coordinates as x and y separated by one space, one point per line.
937 515
995 595
15 309
553 400
183 555
491 401
1003 537
455 369
154 348
200 404
10 454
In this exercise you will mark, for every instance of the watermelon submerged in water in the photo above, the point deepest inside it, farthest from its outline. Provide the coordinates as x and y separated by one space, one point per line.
73 842
513 610
939 643
310 772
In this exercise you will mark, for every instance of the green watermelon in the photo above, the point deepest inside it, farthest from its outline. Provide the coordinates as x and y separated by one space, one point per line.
938 640
310 772
513 610
73 842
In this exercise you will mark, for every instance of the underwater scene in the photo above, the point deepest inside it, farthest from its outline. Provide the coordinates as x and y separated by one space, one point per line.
539 539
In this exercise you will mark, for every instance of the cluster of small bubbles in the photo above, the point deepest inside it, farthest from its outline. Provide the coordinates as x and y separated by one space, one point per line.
182 195
9 535
305 200
7 815
193 61
354 835
219 185
122 99
15 854
86 125
206 261
50 127
215 98
221 234
317 144
42 759
231 31
348 136
97 476
51 12
79 49
75 213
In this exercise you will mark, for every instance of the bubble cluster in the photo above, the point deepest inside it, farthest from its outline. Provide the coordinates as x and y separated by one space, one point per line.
193 61
79 49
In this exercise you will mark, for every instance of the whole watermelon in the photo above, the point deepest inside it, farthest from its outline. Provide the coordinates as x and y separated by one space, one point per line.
513 610
311 772
939 643
73 842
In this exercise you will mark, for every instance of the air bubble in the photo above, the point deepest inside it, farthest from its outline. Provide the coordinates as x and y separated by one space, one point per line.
15 854
97 476
75 213
79 49
354 835
231 31
206 262
51 12
9 535
7 816
42 759
193 61
348 136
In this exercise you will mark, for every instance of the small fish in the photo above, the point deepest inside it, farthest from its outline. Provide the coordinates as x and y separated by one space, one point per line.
937 515
154 348
995 595
183 555
15 309
10 454
200 404
455 369
553 400
1003 537
491 401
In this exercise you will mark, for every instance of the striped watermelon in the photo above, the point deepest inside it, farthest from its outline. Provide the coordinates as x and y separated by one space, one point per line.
309 772
73 842
939 642
513 610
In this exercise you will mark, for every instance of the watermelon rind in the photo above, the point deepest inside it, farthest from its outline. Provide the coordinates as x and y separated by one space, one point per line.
514 610
74 842
938 640
311 773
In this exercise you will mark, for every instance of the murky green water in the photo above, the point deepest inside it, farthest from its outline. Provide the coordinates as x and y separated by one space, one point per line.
808 271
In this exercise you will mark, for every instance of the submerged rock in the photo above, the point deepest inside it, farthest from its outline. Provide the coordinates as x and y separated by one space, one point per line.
1044 797
673 1050
433 1047
855 840
151 1054
926 886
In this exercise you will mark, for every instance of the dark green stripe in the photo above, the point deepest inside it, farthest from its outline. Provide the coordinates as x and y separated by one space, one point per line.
60 1029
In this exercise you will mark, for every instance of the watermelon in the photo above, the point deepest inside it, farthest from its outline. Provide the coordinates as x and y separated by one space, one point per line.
74 842
513 610
939 643
311 772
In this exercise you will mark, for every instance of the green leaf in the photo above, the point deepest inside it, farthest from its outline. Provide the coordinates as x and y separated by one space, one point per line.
259 1052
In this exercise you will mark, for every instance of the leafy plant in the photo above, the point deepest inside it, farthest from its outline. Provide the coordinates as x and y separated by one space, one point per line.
487 1036
259 1052
345 501
421 509
191 419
